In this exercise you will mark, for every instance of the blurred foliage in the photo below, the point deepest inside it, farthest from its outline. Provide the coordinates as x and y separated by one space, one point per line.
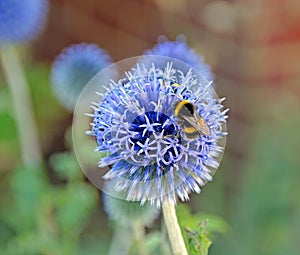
36 216
8 135
39 218
265 219
157 243
47 110
66 166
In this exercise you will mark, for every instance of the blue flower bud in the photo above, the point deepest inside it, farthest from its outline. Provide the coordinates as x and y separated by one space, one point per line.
180 50
74 68
21 21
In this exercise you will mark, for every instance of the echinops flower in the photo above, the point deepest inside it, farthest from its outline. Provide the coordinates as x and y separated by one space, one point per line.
180 50
128 212
72 70
138 123
21 21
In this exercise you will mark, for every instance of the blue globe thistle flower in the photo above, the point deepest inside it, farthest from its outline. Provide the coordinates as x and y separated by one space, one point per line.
72 70
139 125
180 50
127 212
21 21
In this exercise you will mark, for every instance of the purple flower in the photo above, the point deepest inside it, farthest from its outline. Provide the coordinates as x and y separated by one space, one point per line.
139 123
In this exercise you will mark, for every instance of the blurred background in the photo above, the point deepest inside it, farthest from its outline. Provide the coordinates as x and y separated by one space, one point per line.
253 47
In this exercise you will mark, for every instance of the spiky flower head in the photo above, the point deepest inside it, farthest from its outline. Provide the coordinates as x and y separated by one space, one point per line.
72 70
148 146
127 212
21 21
180 50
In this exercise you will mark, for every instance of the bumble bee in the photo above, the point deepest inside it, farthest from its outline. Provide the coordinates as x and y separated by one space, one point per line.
192 122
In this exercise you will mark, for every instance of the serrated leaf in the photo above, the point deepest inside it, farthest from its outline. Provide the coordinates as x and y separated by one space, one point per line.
199 228
197 239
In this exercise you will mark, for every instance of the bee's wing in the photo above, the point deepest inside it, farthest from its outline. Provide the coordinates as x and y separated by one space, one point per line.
195 122
203 127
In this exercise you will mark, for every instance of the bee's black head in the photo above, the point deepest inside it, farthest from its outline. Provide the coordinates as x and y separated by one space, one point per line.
189 108
185 108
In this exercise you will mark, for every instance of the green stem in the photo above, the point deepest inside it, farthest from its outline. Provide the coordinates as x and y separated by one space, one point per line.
139 233
121 241
175 236
14 74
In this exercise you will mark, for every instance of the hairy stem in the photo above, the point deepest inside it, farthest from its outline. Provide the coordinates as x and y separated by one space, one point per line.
14 74
175 236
